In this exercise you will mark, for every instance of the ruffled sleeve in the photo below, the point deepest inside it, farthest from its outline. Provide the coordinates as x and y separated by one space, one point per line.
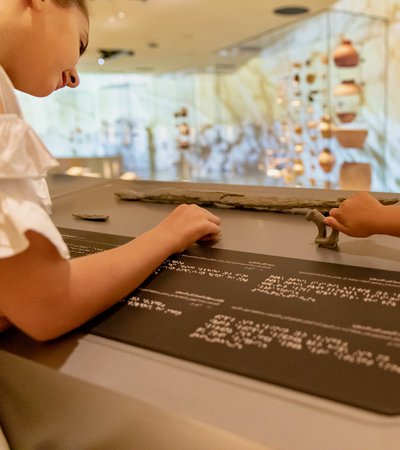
20 211
24 198
22 154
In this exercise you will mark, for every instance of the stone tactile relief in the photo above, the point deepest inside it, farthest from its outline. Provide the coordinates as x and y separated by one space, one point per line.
226 199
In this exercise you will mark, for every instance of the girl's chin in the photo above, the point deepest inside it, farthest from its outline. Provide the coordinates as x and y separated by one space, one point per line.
36 89
40 92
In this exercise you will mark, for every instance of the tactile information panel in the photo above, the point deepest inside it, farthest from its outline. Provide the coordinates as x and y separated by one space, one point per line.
325 329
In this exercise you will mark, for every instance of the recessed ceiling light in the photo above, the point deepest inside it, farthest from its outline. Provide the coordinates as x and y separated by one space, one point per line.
291 10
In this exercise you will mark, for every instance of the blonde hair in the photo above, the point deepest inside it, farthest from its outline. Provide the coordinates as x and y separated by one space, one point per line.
81 4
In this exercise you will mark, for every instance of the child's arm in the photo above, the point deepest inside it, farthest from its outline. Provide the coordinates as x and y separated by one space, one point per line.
362 215
45 295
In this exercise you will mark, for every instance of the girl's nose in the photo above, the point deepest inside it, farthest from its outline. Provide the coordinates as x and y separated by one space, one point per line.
73 79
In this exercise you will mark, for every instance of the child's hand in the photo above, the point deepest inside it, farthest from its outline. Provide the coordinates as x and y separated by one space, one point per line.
188 224
358 216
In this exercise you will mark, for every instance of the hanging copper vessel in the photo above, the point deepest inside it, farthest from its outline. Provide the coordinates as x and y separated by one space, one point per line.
347 87
351 137
346 117
355 176
345 55
347 100
326 160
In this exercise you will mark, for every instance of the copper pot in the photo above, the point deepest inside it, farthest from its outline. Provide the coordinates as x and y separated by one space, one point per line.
355 176
326 160
351 137
345 55
346 117
347 87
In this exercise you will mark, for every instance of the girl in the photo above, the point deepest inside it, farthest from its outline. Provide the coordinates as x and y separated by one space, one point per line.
42 292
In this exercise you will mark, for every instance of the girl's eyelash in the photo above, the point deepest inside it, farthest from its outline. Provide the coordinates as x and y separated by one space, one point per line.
82 48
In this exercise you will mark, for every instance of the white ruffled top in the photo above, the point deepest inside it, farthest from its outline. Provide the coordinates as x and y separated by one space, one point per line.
25 202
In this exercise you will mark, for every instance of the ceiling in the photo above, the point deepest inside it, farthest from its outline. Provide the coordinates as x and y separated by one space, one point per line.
178 35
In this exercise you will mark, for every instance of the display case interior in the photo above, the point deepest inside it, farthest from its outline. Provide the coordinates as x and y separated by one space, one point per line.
304 105
324 91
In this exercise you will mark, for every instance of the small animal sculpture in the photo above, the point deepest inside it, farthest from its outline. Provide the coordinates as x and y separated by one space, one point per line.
322 240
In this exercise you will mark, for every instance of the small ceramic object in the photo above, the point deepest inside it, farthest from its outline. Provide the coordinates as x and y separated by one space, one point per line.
310 78
324 58
183 145
184 129
298 129
345 55
326 160
183 112
351 137
288 176
298 148
322 240
298 167
325 127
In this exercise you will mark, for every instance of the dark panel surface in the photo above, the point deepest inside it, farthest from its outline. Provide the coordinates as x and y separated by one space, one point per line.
325 329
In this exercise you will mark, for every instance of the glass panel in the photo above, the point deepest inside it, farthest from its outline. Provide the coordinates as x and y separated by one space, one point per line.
304 105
